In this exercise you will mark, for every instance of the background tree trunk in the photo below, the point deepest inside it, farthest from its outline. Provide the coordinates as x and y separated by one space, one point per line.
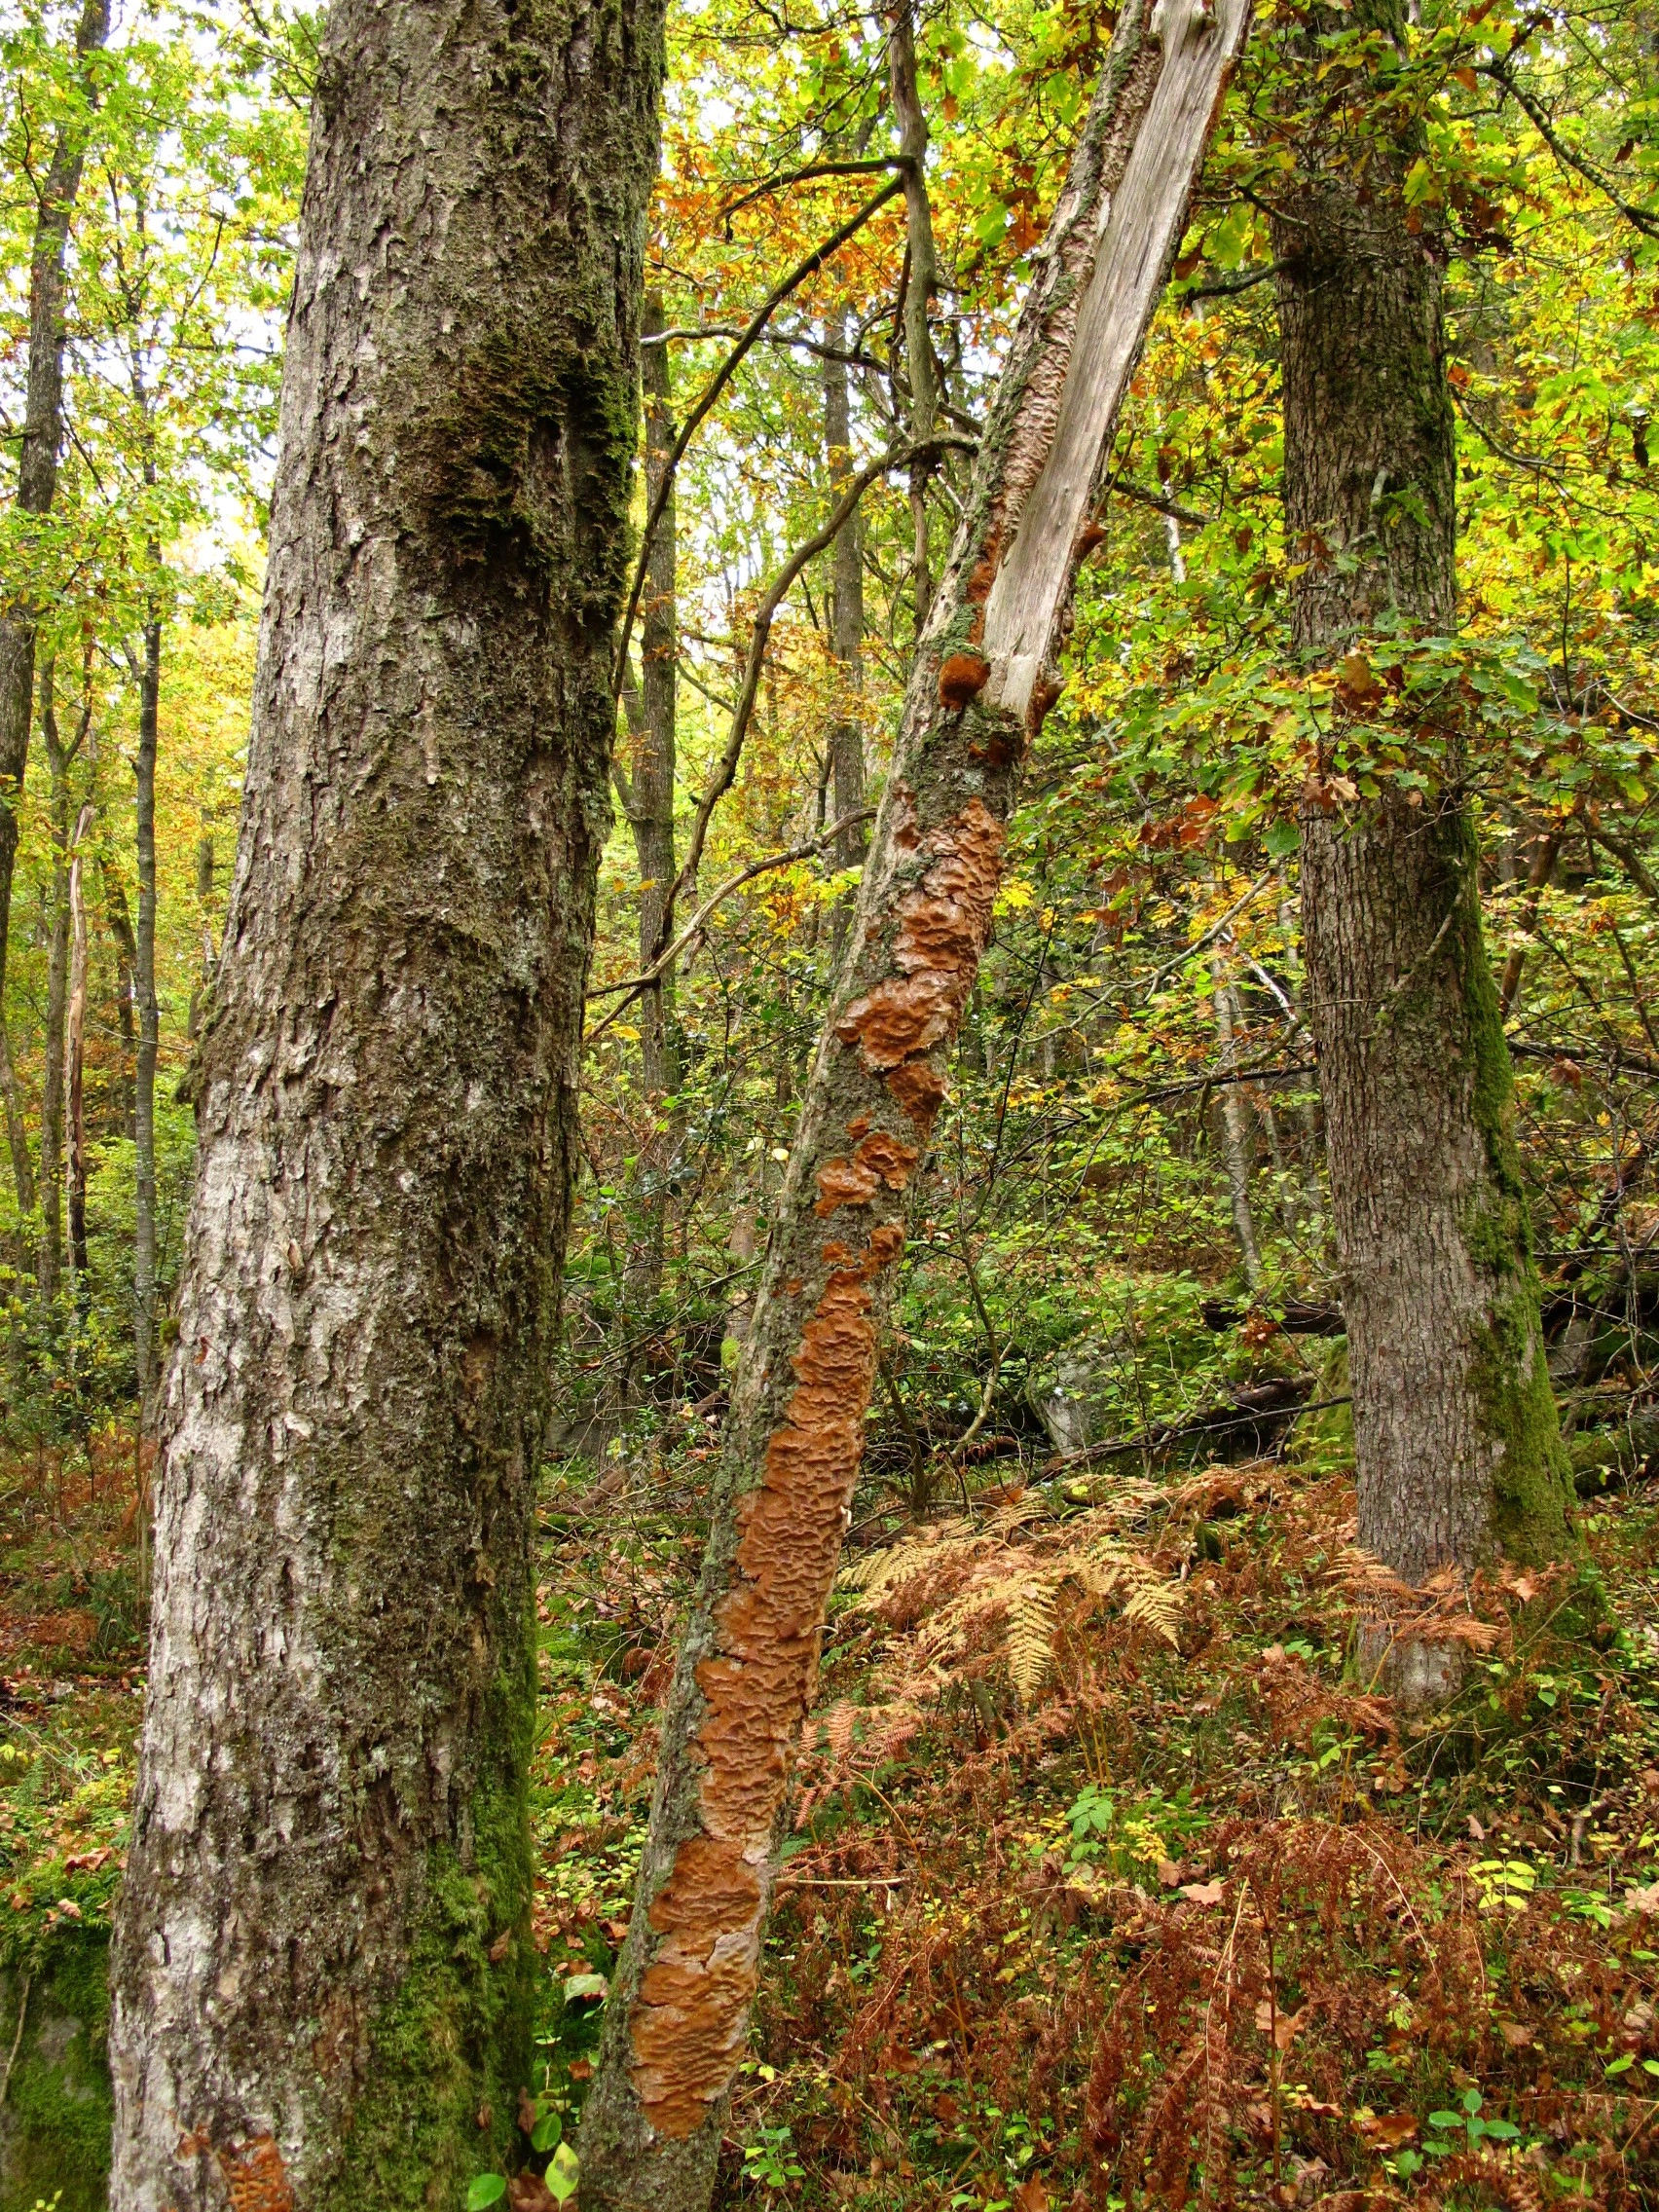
651 815
321 1981
74 1058
921 261
37 488
50 1254
1455 1432
847 624
676 2022
149 1024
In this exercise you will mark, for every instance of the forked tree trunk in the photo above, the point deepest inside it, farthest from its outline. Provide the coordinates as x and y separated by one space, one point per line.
1458 1444
679 2012
37 489
322 1983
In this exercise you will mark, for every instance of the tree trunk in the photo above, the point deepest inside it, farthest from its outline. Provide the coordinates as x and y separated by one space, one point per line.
37 488
651 814
322 1970
74 1058
1456 1440
50 1251
677 2023
119 921
149 1024
1232 1114
847 624
922 263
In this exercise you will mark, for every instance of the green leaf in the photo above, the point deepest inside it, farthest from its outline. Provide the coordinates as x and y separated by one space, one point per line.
1622 2065
563 2173
485 2189
1445 2120
583 1986
546 2132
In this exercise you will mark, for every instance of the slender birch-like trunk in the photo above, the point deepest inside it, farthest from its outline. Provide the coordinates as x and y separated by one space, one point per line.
74 1060
922 267
49 1258
846 623
679 2013
1232 1114
323 1975
1458 1446
149 1021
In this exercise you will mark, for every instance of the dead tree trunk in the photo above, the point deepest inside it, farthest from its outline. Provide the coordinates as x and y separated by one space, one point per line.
1458 1444
37 489
983 678
321 1983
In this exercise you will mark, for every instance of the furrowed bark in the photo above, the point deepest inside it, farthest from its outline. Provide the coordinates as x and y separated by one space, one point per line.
37 489
679 2012
321 1981
1458 1446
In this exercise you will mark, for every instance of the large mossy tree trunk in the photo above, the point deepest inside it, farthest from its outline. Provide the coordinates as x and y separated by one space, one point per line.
1456 1440
322 1970
677 2020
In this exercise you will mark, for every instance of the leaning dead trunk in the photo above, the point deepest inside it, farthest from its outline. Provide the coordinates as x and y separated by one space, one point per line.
1456 1434
322 1977
984 676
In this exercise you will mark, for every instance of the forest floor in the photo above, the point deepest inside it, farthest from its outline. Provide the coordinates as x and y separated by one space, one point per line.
1108 1885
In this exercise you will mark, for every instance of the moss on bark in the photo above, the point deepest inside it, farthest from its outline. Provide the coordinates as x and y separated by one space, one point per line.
452 2049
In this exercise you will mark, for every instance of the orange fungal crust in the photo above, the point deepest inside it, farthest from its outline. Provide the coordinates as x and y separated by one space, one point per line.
689 2019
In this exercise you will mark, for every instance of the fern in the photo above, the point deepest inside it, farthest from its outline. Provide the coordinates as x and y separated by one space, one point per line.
959 1580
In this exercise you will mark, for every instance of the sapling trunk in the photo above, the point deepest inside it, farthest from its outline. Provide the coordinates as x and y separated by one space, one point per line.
985 676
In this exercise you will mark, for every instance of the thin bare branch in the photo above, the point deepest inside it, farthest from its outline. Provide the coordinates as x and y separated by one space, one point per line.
716 384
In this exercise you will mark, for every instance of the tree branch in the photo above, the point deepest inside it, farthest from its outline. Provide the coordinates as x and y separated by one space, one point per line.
641 983
727 770
721 376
